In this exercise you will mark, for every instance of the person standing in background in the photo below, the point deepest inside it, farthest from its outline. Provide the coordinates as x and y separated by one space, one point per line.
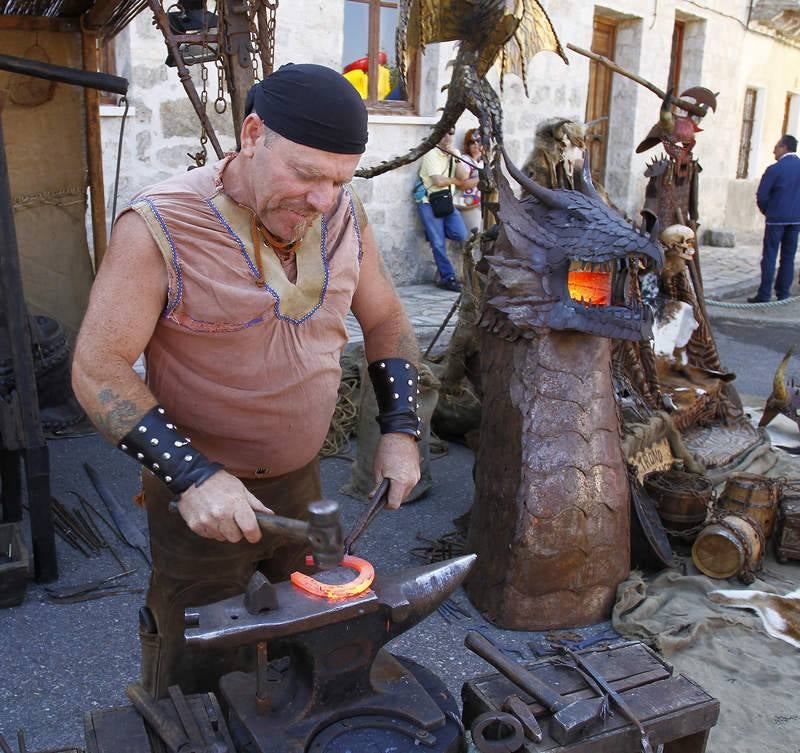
778 198
441 168
468 198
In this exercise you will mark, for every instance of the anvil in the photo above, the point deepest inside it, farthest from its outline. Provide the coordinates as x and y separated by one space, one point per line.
322 661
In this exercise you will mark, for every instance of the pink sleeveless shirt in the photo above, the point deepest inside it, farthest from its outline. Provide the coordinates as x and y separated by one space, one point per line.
250 373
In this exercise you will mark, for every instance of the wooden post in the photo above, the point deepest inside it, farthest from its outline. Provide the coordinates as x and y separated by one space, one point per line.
235 39
94 151
691 107
19 417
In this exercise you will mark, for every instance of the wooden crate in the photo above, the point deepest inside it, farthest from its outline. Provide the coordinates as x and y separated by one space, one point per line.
14 574
673 709
787 531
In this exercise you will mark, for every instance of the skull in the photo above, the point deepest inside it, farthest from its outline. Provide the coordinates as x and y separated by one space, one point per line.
679 241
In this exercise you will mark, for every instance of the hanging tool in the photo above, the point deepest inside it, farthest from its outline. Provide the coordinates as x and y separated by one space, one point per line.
378 502
132 535
569 719
583 663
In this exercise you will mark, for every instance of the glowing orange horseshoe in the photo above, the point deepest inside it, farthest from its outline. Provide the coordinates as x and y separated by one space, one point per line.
333 591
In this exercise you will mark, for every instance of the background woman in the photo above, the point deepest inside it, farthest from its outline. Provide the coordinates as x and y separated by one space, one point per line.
468 197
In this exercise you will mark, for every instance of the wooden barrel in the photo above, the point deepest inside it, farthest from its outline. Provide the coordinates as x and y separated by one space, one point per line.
752 495
731 545
681 498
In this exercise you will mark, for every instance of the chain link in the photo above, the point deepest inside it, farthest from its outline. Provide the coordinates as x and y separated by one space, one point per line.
268 46
201 156
220 103
252 11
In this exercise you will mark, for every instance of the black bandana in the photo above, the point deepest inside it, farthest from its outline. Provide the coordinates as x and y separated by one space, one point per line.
311 105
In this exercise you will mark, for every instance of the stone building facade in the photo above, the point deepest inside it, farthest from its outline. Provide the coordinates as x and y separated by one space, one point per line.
747 50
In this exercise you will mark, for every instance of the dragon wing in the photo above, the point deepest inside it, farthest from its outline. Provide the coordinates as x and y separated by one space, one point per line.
533 34
424 21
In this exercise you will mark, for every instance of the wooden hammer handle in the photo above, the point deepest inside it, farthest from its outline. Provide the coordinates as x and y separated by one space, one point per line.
514 672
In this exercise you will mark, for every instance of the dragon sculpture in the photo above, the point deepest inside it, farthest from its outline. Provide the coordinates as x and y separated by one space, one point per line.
550 522
505 33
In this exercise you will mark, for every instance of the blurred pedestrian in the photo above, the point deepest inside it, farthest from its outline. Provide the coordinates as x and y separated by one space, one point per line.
778 198
440 169
468 197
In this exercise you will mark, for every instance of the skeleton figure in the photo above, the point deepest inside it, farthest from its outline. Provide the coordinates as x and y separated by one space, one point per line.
671 199
674 321
506 33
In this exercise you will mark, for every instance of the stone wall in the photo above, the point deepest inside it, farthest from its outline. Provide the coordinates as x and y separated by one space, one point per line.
718 53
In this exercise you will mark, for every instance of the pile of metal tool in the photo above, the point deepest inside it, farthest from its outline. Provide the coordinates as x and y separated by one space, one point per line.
508 729
82 526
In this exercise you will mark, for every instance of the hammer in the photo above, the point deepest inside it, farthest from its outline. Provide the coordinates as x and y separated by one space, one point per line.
569 719
322 531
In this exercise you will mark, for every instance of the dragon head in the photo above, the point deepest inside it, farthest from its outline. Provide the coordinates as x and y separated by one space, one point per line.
564 260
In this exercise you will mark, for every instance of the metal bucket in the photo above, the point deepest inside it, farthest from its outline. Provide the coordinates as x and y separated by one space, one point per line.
681 498
752 495
731 545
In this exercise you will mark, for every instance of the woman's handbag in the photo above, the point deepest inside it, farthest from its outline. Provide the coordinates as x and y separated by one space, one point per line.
441 202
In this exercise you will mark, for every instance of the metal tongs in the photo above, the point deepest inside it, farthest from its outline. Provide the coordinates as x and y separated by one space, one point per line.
378 502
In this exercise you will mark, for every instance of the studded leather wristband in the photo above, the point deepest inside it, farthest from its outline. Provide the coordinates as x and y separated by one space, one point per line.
395 381
156 443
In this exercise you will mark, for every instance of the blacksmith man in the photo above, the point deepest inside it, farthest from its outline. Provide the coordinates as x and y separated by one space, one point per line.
235 279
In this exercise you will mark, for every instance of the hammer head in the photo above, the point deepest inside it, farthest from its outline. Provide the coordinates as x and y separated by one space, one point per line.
567 724
325 534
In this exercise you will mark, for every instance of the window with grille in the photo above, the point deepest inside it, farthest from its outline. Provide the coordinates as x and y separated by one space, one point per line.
368 57
746 140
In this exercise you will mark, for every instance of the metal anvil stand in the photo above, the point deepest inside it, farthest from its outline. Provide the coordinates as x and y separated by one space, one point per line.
322 673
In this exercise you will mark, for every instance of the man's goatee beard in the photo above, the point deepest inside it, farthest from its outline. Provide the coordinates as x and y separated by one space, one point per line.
300 230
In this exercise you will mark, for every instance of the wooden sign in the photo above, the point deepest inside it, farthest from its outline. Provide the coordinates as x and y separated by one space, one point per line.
657 457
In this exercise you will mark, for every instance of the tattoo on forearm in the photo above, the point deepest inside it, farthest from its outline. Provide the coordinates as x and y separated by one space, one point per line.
119 415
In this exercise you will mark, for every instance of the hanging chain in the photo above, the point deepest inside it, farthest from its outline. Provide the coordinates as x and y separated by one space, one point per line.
201 156
261 16
220 103
253 40
269 13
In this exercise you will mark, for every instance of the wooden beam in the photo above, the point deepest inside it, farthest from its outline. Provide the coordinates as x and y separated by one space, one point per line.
238 59
99 14
691 107
94 151
37 23
22 411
